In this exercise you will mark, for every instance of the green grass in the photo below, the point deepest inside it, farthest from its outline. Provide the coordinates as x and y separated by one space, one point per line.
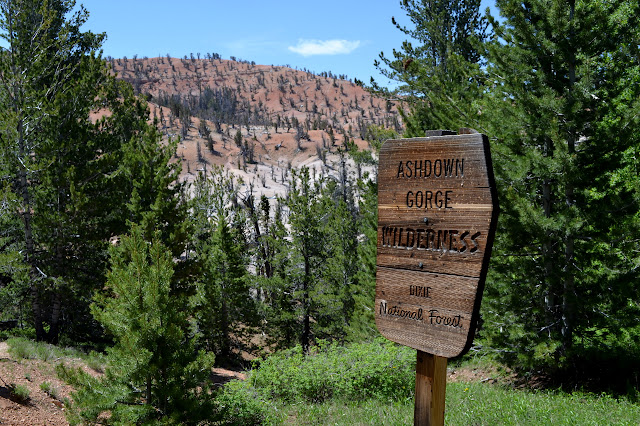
372 383
350 413
22 348
476 404
485 404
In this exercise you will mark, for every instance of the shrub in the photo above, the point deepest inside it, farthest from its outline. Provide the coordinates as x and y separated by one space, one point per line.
26 332
49 389
239 404
380 369
19 393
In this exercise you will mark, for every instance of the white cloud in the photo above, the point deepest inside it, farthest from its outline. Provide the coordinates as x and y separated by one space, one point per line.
324 47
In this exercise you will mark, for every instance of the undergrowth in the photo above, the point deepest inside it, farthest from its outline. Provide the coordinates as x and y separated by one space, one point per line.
373 383
24 348
19 393
379 370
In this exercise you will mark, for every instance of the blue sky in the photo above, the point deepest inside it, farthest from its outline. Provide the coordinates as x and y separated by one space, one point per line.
343 37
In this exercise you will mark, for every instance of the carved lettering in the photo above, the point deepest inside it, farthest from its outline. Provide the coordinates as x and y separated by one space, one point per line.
429 239
448 167
398 312
419 291
436 319
417 315
429 199
440 168
459 167
474 238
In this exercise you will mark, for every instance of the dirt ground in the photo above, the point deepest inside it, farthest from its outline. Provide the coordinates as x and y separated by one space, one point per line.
42 408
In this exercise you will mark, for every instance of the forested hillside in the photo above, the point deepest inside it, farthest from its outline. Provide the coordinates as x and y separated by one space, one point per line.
258 120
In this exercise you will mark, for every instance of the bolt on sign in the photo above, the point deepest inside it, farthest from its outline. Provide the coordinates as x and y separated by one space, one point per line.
437 213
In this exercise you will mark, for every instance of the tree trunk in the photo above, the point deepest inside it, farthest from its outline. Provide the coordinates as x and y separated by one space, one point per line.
224 327
37 312
54 324
29 256
266 268
547 255
306 326
568 299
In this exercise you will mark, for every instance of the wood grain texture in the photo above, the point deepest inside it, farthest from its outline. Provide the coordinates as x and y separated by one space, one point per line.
431 383
437 209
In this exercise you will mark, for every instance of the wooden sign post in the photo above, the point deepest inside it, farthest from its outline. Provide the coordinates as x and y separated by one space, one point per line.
437 213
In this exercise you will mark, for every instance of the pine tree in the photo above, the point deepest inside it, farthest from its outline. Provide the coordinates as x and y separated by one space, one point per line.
336 315
561 274
68 175
155 372
321 259
440 70
157 199
281 324
304 204
56 162
227 312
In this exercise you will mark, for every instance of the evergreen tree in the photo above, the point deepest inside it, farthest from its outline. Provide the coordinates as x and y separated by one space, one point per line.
341 231
321 260
564 100
155 372
56 162
307 254
149 177
66 175
227 312
439 71
281 325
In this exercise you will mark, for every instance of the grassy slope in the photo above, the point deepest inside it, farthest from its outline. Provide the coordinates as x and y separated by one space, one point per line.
470 399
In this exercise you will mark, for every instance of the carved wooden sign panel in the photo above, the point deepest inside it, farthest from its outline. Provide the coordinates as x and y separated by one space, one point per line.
437 212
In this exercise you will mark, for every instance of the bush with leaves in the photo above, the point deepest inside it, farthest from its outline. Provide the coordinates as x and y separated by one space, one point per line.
380 369
239 404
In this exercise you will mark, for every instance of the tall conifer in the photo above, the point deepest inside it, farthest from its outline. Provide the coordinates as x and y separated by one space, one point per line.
439 70
561 73
155 373
52 79
69 169
227 309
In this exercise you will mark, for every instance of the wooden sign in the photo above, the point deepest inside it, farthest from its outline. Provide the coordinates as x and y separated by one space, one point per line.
437 212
